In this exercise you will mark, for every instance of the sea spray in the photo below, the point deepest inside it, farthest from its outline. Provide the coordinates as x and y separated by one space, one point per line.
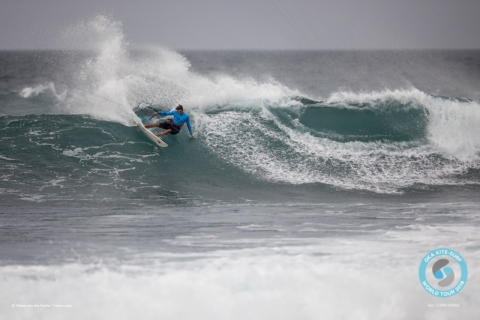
155 76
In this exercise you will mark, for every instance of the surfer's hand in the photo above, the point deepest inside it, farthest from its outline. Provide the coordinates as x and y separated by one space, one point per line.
192 136
155 113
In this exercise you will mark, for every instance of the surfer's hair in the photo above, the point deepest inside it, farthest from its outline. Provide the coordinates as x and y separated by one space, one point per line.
179 107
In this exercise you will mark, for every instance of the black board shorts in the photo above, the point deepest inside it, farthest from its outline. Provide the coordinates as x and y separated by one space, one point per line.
170 125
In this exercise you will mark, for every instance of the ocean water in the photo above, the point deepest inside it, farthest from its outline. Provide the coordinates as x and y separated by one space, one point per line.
317 183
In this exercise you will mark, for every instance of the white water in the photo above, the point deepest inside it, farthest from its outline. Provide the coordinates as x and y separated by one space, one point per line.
370 277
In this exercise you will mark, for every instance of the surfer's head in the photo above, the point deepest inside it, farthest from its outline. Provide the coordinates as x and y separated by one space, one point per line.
179 108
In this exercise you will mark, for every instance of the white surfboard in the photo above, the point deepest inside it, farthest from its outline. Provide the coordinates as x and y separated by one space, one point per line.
159 142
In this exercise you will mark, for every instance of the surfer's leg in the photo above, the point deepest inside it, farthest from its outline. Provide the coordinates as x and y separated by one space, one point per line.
151 125
161 134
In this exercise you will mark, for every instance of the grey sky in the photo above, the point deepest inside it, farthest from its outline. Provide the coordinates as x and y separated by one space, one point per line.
253 24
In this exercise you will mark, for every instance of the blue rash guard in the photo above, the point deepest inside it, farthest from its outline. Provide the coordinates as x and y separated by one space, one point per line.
178 119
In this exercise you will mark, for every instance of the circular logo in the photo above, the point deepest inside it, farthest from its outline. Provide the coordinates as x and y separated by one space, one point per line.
443 272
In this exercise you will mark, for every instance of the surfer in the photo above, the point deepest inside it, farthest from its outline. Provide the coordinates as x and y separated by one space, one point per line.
172 126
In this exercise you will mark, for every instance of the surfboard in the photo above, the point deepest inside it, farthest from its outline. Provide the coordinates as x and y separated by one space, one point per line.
159 142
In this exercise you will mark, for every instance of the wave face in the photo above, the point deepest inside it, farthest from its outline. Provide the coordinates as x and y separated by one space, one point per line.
66 131
381 144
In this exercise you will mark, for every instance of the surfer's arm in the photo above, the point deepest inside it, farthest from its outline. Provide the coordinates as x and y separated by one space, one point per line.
189 128
169 113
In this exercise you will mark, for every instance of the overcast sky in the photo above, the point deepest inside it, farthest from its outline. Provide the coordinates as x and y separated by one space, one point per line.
253 24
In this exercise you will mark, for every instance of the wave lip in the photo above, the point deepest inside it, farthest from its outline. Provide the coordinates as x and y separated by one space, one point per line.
452 124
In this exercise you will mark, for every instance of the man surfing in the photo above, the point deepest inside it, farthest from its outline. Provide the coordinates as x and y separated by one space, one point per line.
172 126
